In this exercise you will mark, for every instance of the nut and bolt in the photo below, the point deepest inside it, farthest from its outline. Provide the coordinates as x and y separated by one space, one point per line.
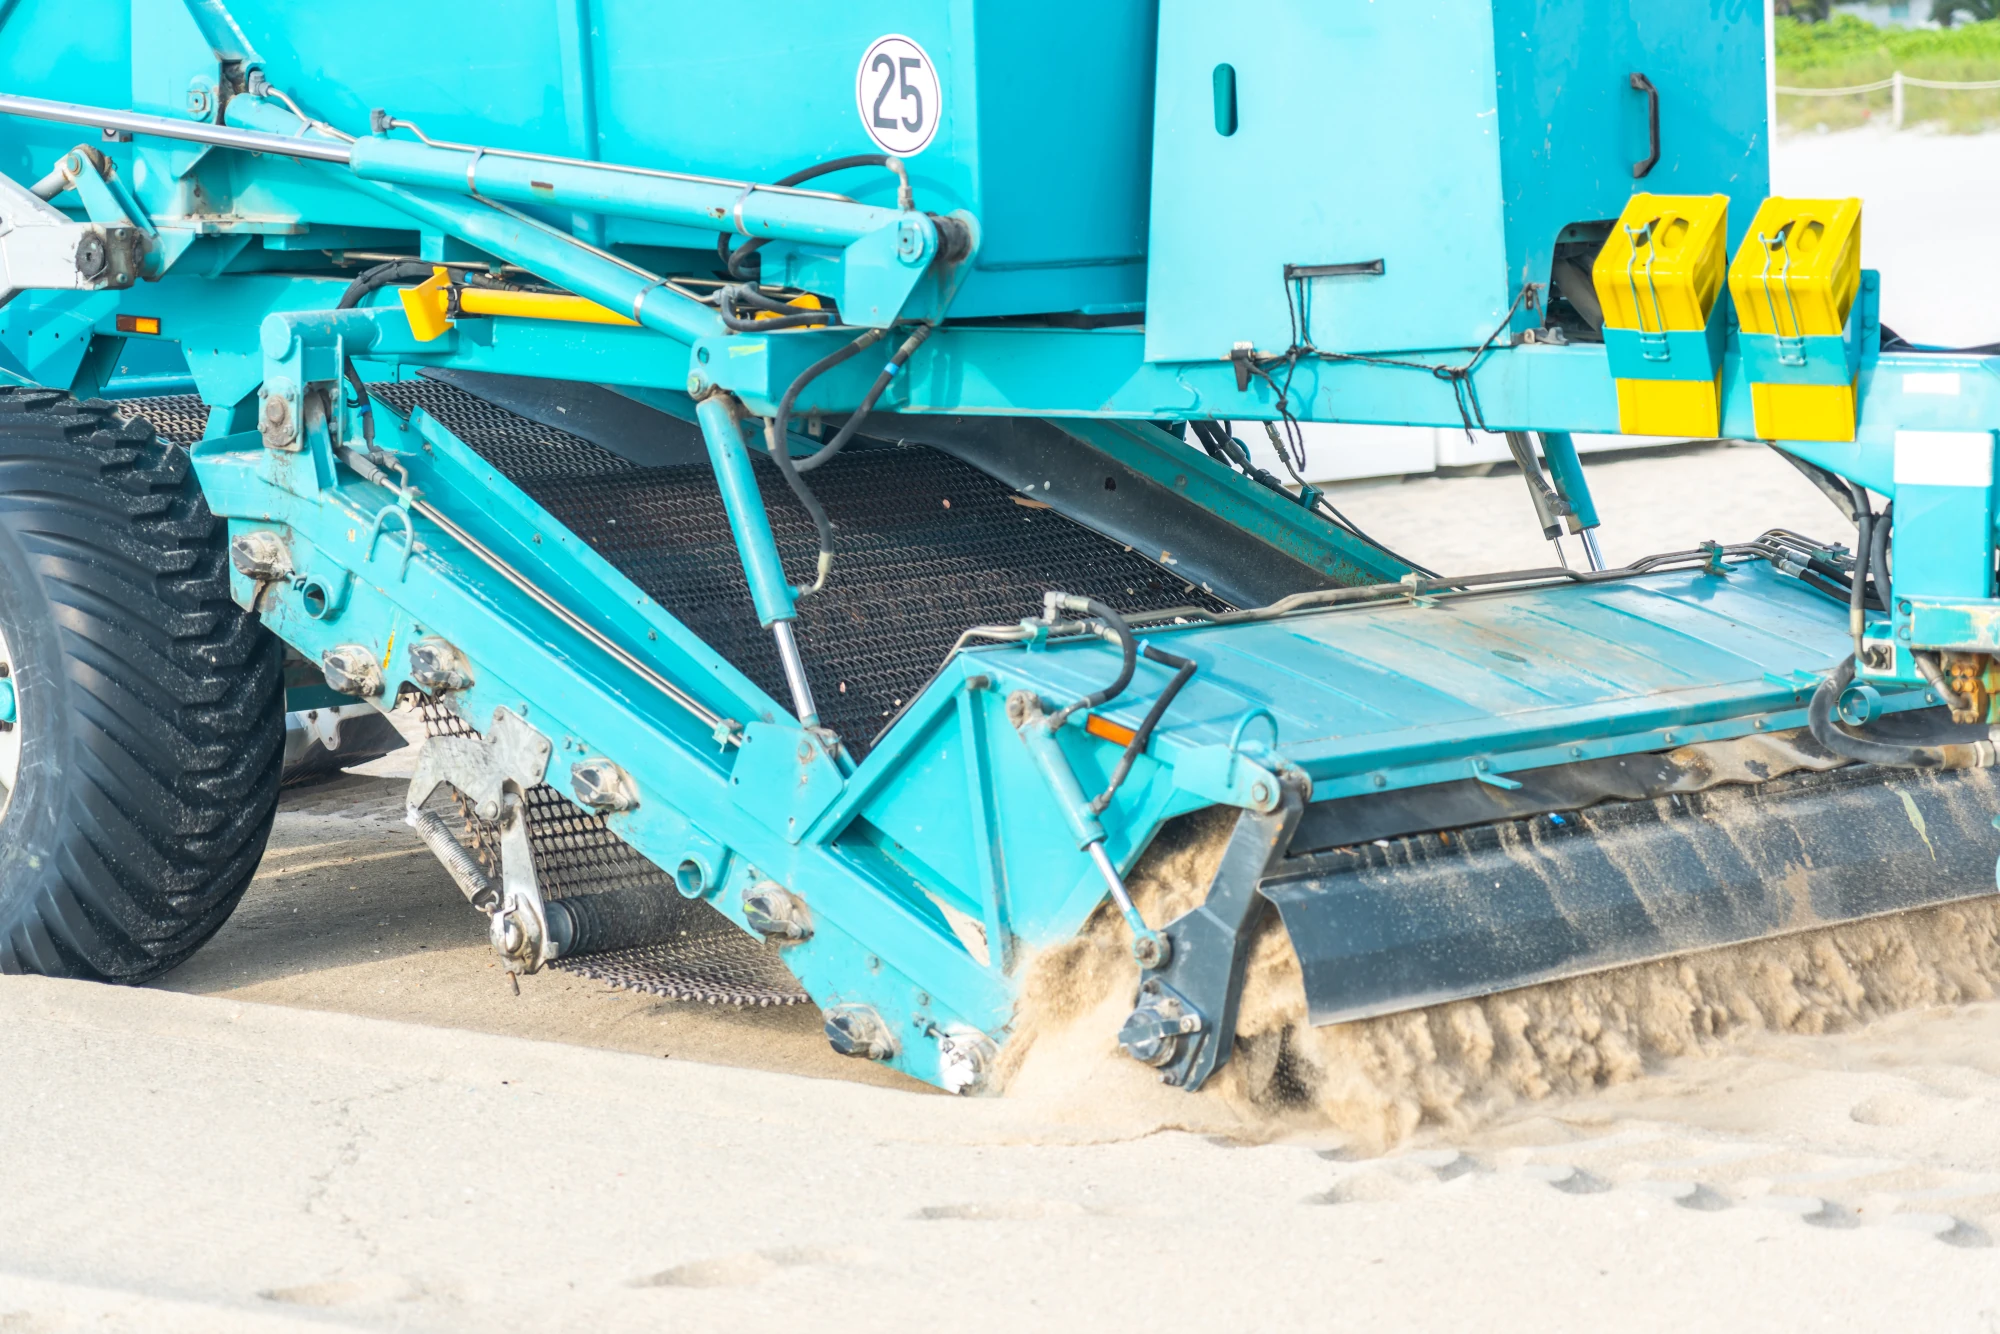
603 786
351 669
260 555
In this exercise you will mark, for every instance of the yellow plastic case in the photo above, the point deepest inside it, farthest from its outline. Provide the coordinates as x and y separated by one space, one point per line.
1794 278
1661 272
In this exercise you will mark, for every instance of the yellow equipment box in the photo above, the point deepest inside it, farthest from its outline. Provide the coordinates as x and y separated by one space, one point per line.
1794 280
1659 279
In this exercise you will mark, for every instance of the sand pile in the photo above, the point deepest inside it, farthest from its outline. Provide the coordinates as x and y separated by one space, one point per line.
1376 1081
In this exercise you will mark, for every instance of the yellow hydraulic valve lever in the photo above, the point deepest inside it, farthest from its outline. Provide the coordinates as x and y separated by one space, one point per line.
433 304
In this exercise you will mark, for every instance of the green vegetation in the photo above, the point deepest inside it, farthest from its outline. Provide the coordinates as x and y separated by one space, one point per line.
1843 51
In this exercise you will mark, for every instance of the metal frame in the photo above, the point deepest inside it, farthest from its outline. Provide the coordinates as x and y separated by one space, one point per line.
928 866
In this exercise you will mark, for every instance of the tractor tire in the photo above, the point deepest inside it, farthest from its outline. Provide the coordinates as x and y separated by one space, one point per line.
141 770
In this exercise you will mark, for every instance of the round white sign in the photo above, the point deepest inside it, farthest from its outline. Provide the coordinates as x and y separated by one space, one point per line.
896 91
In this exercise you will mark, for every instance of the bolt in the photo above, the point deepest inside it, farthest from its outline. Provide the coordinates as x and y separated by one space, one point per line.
1260 792
489 809
697 385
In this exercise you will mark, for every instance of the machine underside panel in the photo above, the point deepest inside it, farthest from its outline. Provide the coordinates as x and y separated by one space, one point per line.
926 546
1399 923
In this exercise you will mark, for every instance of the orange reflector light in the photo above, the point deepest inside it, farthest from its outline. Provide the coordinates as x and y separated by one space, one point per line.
1110 731
143 324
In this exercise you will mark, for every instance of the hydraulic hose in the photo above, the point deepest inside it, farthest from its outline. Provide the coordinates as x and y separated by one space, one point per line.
775 441
1857 589
736 261
369 280
775 314
1819 718
853 423
1878 558
1184 671
1128 647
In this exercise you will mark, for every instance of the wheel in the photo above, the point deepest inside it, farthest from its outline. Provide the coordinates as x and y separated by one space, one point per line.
140 760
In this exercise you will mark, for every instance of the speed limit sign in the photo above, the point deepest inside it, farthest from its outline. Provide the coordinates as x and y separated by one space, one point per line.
896 91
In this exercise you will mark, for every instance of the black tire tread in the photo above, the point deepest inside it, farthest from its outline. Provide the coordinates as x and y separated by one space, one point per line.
176 696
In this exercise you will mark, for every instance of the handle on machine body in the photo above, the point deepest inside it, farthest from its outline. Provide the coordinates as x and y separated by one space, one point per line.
1642 84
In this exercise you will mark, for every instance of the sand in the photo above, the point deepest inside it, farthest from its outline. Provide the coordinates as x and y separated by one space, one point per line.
1457 1067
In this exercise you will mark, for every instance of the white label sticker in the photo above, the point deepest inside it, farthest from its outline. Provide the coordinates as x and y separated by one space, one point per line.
1944 458
896 91
1931 382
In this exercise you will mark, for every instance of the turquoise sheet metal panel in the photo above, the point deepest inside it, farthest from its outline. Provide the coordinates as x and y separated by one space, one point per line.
1452 140
1365 132
1572 126
1037 114
1471 675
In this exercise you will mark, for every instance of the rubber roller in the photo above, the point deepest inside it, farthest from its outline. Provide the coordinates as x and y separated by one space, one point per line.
616 920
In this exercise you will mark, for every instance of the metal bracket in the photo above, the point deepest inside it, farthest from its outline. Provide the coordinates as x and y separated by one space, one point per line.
1227 775
495 773
1184 1021
42 250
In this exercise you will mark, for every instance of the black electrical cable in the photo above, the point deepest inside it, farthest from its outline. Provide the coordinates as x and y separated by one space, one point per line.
1226 449
775 440
1128 662
1819 718
853 423
735 261
1183 672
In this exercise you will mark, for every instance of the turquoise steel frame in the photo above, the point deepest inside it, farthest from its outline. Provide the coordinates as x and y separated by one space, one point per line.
930 865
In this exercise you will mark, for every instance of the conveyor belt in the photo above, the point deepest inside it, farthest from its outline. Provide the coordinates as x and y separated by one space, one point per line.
706 957
925 546
180 418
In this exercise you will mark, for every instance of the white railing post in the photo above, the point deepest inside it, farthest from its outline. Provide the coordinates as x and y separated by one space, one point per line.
1896 100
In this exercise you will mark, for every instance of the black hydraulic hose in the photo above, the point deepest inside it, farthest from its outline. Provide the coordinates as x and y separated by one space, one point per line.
1895 342
382 275
369 280
1183 672
853 423
735 261
1819 718
1128 663
1857 589
778 315
775 440
1878 558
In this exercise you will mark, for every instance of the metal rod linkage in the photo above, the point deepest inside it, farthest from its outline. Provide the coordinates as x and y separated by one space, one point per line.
795 674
